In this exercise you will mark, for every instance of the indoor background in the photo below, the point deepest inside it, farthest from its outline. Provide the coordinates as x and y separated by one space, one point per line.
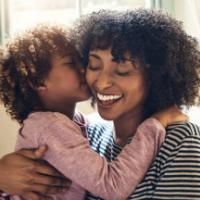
17 15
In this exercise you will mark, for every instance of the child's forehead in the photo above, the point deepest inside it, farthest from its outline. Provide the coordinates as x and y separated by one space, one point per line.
66 55
66 52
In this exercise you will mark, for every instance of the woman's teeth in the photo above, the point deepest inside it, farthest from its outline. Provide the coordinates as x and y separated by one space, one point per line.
102 97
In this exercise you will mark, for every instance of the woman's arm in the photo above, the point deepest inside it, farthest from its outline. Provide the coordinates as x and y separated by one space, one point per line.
18 171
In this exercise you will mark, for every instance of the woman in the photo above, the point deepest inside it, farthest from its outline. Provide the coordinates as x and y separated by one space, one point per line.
128 75
139 62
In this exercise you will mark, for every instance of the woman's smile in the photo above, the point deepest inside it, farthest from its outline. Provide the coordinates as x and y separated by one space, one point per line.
108 100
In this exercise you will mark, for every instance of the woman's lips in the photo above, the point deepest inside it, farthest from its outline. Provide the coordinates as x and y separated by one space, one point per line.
108 100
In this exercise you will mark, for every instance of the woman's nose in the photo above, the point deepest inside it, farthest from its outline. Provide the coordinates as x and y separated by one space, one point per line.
103 82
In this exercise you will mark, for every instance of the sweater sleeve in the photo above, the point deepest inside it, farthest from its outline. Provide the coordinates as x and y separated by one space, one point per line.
71 154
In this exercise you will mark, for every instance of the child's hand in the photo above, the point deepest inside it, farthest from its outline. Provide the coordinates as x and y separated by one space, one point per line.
170 115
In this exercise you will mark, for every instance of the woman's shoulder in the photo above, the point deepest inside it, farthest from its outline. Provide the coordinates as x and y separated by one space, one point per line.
179 137
183 130
179 140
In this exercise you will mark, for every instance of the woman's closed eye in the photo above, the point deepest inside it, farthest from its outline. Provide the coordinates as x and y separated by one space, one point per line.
125 73
124 68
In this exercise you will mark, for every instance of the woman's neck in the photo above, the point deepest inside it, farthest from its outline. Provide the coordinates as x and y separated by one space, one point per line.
126 126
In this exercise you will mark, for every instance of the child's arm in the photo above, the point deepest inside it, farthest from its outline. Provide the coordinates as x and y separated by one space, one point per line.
71 154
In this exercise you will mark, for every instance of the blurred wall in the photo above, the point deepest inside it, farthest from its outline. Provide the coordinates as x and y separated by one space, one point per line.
8 132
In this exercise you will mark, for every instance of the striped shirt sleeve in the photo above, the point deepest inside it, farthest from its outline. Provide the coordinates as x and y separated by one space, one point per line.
180 176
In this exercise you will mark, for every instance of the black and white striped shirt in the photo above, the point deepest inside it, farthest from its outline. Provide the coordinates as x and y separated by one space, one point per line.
174 174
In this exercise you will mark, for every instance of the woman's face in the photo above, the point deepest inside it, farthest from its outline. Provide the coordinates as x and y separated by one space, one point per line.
119 87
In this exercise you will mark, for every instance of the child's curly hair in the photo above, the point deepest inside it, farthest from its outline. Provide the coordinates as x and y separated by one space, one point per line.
171 57
25 62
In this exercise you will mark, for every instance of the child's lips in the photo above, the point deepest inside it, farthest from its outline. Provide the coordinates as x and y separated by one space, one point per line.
83 82
84 85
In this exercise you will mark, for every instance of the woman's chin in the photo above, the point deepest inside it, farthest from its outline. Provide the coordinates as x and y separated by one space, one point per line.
106 115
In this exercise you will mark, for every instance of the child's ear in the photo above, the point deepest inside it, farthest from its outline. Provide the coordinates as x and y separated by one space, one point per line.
41 88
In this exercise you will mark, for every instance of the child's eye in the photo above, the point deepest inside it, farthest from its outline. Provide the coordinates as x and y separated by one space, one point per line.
70 64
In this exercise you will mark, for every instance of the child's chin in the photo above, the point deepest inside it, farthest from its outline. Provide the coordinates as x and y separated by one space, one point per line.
84 98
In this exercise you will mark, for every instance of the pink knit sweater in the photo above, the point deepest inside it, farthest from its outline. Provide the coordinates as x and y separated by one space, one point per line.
70 153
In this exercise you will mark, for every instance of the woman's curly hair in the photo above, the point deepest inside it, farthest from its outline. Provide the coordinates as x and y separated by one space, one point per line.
25 62
171 56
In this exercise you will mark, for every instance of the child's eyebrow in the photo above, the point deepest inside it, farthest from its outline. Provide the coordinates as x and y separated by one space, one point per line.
67 55
94 55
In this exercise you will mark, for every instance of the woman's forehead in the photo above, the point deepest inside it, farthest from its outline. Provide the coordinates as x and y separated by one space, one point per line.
109 51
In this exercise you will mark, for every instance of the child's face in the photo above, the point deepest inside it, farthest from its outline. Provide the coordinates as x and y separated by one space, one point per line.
65 82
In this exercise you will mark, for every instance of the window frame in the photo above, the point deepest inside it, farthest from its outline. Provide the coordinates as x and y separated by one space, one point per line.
5 23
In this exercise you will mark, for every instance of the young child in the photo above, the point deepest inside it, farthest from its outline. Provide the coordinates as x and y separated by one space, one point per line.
41 80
